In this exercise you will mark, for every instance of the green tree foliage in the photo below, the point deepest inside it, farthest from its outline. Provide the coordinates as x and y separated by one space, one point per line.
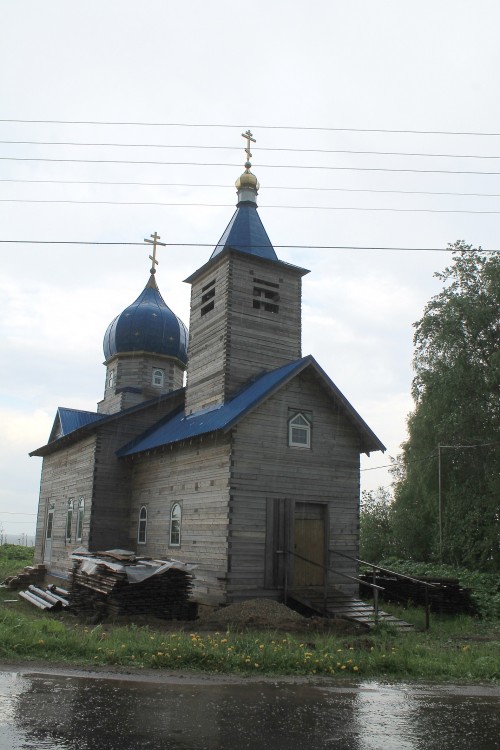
376 527
456 390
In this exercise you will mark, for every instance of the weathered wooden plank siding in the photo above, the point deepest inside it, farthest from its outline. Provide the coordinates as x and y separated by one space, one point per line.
135 371
68 474
196 476
264 466
111 507
259 339
234 341
207 338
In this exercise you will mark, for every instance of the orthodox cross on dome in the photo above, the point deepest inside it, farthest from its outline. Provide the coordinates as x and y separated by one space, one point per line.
249 139
154 241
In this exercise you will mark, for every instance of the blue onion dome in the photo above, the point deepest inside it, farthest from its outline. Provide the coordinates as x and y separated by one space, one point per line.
147 325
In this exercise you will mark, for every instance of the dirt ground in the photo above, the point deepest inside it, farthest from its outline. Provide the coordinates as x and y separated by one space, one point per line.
252 614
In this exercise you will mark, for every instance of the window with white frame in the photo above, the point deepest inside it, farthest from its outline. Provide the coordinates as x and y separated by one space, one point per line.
69 519
175 525
111 378
79 519
158 378
299 431
142 525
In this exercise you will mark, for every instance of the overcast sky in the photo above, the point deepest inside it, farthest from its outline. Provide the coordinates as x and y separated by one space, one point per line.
309 79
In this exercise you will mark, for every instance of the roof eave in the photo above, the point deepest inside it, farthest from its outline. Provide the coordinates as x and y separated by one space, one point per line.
228 249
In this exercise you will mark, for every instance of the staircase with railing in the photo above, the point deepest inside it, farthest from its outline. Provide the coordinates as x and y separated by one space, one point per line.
329 601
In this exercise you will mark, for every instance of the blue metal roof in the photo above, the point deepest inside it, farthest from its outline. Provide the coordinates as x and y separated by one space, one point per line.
224 416
221 417
147 325
245 232
72 419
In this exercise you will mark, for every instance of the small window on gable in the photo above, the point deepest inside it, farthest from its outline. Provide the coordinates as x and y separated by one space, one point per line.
299 431
142 526
69 519
158 378
79 519
175 525
111 378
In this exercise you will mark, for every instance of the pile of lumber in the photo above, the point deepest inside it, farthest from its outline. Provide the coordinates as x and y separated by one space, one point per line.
116 583
445 595
29 575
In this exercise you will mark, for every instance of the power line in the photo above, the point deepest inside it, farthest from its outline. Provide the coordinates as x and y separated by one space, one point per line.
428 458
229 205
246 125
235 166
211 244
261 148
10 513
268 187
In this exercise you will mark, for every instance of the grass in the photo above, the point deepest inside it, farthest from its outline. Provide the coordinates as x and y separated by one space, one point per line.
455 649
13 558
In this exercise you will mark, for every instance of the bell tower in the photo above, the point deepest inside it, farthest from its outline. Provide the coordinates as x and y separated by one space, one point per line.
245 306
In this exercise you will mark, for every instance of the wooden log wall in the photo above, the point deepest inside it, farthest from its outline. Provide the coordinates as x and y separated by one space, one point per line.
207 337
264 467
112 495
135 370
233 340
90 469
260 339
195 475
69 473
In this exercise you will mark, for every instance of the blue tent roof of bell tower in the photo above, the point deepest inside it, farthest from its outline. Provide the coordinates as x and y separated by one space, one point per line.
245 232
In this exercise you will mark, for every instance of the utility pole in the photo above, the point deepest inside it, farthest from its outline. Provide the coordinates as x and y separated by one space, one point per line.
440 507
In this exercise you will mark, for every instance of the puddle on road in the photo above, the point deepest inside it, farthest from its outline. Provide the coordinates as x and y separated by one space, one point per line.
52 712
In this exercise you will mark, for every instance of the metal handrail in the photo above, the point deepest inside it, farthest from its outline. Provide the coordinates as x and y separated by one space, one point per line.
385 570
373 586
375 567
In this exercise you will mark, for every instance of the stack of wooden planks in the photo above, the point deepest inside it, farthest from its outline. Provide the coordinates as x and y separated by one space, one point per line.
113 585
446 595
29 574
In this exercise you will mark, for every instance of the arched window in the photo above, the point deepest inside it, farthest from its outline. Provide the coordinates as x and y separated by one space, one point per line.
69 519
175 525
143 522
79 519
299 431
158 377
111 378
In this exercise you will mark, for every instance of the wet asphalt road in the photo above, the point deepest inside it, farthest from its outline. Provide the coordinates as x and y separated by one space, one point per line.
66 712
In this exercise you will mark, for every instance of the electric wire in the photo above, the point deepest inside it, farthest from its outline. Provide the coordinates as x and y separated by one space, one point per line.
428 458
261 148
229 205
255 126
268 187
235 166
211 244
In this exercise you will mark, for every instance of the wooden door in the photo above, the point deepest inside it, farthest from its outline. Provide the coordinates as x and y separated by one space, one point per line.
309 543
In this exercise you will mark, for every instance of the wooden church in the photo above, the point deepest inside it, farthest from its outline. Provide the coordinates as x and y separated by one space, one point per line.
250 471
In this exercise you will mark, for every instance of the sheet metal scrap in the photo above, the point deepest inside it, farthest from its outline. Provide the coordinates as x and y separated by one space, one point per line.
117 582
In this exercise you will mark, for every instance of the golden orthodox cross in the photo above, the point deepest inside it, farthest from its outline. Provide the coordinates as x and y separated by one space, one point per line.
248 137
155 243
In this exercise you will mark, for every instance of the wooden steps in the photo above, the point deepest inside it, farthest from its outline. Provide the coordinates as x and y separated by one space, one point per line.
345 607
